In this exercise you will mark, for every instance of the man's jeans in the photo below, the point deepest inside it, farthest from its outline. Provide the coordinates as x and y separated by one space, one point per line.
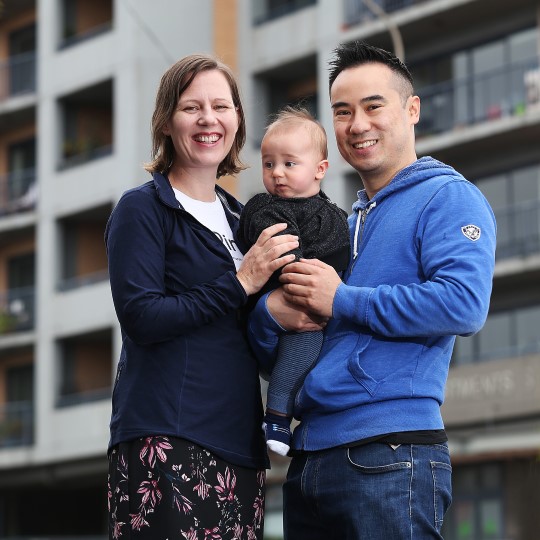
369 492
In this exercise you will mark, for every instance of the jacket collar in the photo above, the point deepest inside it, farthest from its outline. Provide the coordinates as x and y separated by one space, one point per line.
166 195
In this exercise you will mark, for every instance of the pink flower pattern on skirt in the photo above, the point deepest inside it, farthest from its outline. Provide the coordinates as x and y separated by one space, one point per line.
174 477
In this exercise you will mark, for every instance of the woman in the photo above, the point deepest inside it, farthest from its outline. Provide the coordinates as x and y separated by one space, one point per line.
187 453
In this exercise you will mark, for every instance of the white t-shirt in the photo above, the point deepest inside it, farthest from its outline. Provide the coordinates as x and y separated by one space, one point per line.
212 215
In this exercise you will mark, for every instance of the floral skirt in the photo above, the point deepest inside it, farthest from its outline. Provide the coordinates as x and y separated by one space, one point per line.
165 488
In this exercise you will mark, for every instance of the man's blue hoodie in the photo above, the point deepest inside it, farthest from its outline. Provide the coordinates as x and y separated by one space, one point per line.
420 274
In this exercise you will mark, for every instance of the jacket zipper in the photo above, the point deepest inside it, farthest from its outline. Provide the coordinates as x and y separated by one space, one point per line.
359 231
226 204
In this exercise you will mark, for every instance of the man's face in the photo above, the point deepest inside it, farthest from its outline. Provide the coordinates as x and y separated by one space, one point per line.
373 124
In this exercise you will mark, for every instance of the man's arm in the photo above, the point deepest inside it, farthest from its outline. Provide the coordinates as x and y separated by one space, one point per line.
453 299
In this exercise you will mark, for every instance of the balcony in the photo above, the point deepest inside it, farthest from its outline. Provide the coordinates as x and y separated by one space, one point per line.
18 75
508 91
84 260
356 11
84 20
508 334
17 310
87 125
16 424
85 368
267 10
518 230
18 192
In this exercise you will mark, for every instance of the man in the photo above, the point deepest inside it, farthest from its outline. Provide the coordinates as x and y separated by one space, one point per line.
370 456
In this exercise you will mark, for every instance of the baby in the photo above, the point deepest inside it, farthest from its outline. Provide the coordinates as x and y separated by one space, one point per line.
294 160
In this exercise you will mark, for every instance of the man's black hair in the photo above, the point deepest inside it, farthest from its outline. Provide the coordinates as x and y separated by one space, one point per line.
353 54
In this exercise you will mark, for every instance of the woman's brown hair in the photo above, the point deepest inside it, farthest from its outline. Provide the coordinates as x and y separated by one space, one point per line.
172 85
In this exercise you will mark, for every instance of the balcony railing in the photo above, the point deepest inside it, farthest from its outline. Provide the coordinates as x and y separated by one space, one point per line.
518 230
18 75
18 192
73 38
17 311
265 10
356 11
16 424
508 91
75 282
73 399
83 151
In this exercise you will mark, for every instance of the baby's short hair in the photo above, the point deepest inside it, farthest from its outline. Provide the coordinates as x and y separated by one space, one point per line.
289 116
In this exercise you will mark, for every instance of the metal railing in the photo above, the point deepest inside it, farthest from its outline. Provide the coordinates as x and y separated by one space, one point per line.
18 75
75 282
18 191
507 91
264 11
72 399
71 39
17 310
83 153
16 424
356 11
518 230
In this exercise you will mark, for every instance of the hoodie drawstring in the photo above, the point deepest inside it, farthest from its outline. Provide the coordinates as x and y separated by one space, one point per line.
362 215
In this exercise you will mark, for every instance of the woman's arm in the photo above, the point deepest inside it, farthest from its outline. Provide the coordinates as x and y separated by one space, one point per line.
136 246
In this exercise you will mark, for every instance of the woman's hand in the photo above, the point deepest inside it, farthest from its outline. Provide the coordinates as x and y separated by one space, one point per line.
291 317
265 257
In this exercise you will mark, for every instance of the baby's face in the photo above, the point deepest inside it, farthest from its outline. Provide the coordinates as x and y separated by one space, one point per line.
292 166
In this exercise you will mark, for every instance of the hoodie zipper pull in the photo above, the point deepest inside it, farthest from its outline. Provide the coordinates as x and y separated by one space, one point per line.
359 229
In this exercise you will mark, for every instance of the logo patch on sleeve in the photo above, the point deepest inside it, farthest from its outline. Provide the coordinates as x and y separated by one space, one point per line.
472 232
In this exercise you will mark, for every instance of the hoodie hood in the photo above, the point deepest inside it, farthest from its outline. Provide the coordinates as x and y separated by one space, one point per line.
422 169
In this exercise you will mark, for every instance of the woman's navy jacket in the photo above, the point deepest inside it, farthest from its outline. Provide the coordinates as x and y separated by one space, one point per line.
185 369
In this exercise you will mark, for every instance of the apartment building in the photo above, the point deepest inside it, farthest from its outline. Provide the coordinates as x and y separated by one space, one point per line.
77 84
77 87
476 67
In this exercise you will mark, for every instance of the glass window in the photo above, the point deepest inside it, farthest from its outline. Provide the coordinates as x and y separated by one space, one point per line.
477 509
464 350
526 184
22 67
505 334
527 325
489 81
515 199
495 339
490 519
477 84
523 45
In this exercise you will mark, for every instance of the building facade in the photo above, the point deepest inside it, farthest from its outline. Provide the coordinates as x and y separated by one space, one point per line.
475 65
77 86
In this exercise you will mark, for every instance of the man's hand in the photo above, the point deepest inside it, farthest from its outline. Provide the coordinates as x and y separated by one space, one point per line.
290 316
310 284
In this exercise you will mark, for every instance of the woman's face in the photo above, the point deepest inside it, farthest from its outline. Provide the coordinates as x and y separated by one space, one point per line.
204 124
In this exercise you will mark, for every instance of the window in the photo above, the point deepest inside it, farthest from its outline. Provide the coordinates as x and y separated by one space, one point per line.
291 84
478 84
515 199
22 66
17 304
506 334
265 10
83 256
85 368
477 508
21 184
84 19
87 122
16 427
